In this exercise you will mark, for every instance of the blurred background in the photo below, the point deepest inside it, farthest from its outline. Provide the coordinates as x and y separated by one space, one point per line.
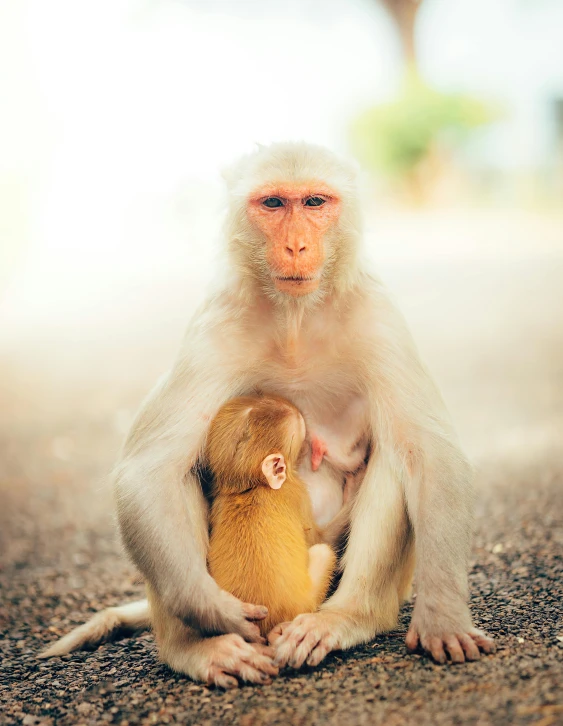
116 117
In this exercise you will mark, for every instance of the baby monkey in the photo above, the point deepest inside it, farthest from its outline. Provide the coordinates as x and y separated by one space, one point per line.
264 547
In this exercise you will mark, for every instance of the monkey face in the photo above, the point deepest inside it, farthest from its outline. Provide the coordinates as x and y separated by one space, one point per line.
294 219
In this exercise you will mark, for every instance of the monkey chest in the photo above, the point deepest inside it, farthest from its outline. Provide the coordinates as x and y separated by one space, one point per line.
338 433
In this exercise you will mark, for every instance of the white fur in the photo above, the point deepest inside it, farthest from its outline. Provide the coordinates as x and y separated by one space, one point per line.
323 351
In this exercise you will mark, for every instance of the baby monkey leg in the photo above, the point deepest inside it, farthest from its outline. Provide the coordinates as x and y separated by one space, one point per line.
322 563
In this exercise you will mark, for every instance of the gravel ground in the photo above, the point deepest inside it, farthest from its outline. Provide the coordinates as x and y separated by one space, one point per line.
62 561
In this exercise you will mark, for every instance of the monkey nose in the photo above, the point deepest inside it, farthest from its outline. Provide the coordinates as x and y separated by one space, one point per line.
294 249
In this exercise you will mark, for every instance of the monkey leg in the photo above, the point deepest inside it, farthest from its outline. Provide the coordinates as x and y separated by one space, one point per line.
439 495
406 572
377 570
322 561
219 660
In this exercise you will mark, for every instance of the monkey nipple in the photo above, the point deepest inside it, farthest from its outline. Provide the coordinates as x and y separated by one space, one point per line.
318 451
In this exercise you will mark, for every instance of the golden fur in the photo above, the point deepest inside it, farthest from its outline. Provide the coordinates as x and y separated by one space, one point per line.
260 537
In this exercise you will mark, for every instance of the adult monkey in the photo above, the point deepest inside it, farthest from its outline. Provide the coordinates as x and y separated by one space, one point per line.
300 317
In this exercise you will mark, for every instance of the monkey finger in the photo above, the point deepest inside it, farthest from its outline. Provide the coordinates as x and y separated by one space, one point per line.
251 633
304 649
454 648
275 634
318 654
254 612
486 644
412 640
469 647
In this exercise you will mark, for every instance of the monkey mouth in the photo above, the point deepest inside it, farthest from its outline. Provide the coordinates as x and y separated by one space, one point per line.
296 285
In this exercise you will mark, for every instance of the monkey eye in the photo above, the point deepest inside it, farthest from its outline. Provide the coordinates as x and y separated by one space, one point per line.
314 201
272 202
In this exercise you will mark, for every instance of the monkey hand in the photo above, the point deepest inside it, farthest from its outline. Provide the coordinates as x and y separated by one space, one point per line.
307 639
442 635
230 615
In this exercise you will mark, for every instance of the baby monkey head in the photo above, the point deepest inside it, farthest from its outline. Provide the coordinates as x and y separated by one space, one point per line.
254 441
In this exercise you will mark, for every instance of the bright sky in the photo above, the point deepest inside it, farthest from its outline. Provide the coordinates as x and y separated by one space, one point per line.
117 114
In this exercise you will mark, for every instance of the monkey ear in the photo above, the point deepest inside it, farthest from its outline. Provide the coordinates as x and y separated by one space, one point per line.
273 468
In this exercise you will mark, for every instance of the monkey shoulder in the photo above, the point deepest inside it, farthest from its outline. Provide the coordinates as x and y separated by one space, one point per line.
217 330
373 317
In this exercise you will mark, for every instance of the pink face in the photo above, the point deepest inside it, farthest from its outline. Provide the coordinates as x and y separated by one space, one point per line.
294 219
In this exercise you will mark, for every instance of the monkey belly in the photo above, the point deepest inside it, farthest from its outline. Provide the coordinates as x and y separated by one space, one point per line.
326 489
262 565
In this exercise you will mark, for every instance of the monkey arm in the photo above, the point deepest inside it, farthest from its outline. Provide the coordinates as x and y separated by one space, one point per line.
161 508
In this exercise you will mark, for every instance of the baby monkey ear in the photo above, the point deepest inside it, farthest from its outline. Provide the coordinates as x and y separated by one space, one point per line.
273 468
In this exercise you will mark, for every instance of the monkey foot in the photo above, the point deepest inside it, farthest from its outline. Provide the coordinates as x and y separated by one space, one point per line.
233 659
308 638
460 646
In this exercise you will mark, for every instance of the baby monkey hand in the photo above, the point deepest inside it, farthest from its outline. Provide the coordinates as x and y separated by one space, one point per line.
236 617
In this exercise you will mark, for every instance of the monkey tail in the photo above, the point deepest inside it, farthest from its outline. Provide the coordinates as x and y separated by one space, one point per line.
102 627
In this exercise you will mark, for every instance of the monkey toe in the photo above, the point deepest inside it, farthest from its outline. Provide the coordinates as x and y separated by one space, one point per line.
470 650
247 672
263 664
460 647
257 663
308 639
287 642
264 649
237 659
455 649
412 640
219 678
486 644
435 647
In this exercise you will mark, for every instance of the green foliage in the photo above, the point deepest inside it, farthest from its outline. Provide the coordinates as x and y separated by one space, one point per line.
394 138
